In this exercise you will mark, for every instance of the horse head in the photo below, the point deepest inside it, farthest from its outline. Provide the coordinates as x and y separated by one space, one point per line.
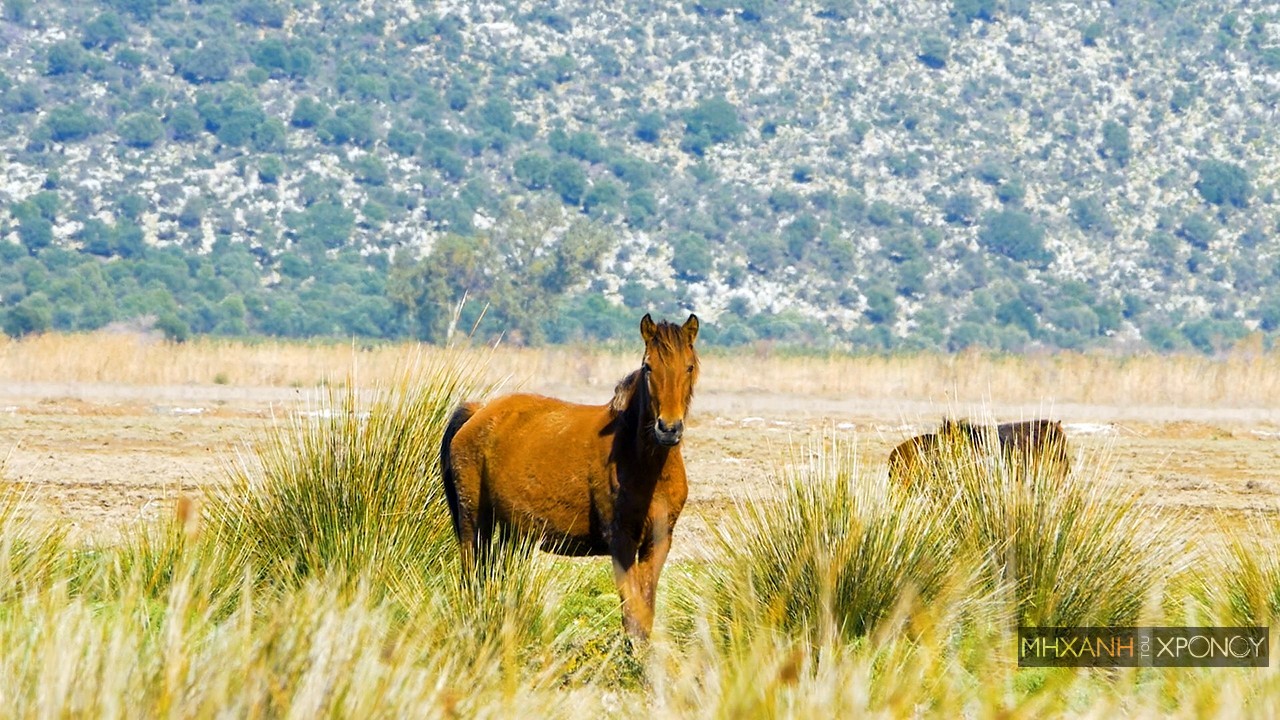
669 371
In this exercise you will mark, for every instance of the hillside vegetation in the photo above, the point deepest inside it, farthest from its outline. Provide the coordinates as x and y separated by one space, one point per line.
1007 174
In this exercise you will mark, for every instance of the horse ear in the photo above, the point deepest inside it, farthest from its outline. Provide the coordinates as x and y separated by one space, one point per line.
647 328
690 327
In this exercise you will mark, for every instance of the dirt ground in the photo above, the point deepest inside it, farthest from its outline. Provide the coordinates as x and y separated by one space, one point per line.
100 458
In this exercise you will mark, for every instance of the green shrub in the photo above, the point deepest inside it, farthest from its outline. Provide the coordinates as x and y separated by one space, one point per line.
834 557
174 328
1223 183
1241 585
184 123
233 113
350 124
271 55
22 98
129 58
270 168
691 256
68 123
351 488
327 223
710 122
569 180
649 127
1015 235
212 62
585 145
140 130
1115 142
1061 546
1198 231
64 58
967 11
1089 213
35 233
263 13
1091 33
370 170
31 315
533 171
104 31
308 112
934 52
498 115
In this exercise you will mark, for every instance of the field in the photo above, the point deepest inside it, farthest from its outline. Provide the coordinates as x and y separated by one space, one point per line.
103 434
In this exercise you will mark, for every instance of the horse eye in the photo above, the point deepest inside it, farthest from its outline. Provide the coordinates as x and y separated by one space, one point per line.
646 368
690 369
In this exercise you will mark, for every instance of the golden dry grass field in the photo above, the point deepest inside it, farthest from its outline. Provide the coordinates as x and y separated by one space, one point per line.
104 431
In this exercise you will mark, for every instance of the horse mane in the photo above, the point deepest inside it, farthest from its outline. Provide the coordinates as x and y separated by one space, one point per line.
624 391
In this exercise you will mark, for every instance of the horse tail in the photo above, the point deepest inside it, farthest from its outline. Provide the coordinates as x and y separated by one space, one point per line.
459 417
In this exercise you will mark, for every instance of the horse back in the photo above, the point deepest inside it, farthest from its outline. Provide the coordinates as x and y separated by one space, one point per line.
540 464
526 425
1031 434
1040 440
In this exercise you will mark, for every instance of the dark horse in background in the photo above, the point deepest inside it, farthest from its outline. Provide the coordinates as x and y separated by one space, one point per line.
585 479
1030 446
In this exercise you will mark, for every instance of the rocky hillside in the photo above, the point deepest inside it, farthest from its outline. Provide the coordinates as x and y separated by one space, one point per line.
1003 173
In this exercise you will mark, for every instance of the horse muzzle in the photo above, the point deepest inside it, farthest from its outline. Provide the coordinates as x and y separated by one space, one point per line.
668 435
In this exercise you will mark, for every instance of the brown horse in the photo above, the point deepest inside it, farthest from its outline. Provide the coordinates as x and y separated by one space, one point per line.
912 456
586 479
1035 445
1028 445
924 453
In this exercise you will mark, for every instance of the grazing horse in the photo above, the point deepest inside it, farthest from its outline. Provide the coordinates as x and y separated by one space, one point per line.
1039 444
1027 445
923 453
585 479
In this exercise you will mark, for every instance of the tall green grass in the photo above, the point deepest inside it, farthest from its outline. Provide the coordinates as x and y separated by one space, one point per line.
851 593
1244 584
832 558
31 556
841 549
1066 548
351 487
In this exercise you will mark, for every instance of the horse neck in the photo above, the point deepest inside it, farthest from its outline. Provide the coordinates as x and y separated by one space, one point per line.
636 434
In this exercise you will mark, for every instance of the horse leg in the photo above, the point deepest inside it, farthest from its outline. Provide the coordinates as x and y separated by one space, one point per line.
637 580
636 619
467 544
652 556
486 529
469 521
